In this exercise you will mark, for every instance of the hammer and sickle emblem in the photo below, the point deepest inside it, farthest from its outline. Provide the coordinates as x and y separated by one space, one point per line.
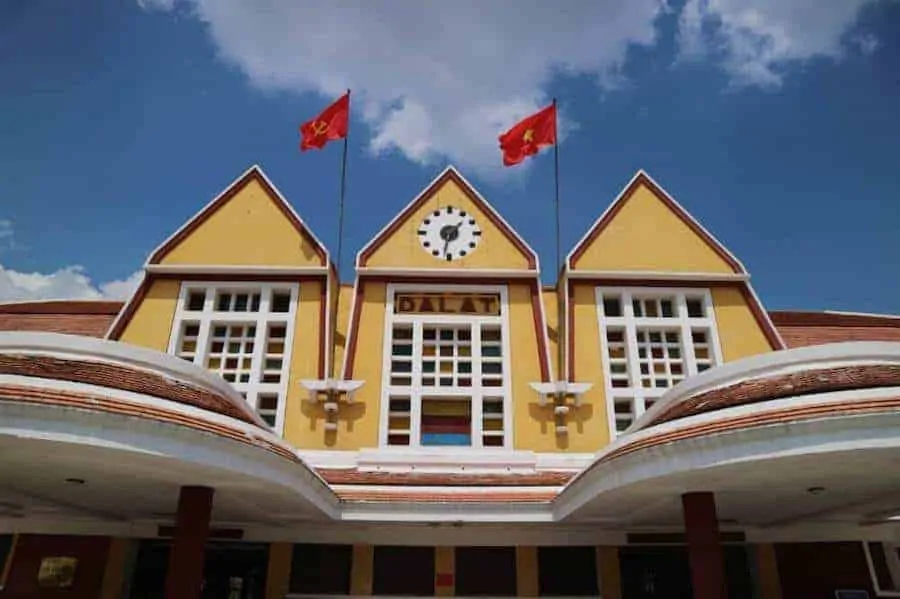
319 127
529 135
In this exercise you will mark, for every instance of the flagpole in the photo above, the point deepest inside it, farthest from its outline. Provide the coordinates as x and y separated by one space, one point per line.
560 376
340 247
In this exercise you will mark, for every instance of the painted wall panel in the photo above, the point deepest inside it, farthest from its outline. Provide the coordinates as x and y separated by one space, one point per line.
646 235
740 334
151 324
402 248
248 229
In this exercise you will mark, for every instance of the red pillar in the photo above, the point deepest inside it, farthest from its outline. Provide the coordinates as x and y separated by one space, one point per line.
704 547
185 572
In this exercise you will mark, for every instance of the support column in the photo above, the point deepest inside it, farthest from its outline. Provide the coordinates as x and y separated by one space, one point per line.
362 571
704 546
767 571
527 581
278 573
185 572
609 572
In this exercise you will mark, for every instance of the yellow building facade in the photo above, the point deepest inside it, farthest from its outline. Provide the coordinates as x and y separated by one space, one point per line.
413 284
444 424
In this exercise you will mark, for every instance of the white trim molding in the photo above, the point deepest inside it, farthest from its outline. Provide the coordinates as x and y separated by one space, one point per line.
415 391
392 459
447 273
226 270
547 390
652 275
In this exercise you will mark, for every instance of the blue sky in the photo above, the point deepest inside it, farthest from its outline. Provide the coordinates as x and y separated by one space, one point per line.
774 122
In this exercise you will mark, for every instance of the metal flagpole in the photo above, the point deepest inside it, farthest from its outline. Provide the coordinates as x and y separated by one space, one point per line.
560 376
340 246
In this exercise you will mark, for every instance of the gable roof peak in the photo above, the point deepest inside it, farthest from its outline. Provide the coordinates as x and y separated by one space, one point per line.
449 172
254 172
641 176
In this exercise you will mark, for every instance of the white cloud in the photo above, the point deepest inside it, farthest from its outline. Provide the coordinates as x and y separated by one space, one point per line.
442 79
432 79
156 4
70 282
867 43
760 38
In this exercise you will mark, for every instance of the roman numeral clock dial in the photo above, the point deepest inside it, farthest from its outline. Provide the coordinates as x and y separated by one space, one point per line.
449 234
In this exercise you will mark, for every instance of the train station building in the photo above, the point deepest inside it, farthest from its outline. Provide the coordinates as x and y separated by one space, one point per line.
248 426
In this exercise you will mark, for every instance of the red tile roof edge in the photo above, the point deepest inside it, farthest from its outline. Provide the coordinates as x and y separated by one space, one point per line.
798 318
351 476
62 307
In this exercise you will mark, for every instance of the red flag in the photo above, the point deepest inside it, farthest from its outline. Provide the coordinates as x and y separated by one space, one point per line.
328 126
529 135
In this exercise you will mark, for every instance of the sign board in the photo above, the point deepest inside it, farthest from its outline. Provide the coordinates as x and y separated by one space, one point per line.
475 304
57 572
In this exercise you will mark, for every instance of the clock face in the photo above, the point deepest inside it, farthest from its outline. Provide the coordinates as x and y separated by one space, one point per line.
449 233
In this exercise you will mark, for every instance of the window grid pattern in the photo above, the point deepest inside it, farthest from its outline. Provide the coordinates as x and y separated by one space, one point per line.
243 334
446 381
652 339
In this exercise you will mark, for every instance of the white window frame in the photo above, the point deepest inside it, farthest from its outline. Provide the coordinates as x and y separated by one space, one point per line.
261 319
893 564
629 323
416 391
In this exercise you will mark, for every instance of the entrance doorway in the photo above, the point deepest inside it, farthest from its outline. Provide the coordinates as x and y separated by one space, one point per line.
231 570
663 572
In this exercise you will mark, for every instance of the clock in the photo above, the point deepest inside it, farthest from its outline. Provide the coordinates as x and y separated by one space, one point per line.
449 233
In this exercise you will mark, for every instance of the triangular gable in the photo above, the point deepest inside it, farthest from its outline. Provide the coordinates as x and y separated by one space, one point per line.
521 255
654 233
228 247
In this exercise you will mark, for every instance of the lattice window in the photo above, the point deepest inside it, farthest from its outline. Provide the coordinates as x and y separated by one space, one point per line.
652 339
447 356
446 380
243 334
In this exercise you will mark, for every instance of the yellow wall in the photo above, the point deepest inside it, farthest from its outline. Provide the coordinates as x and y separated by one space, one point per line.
248 229
647 235
403 249
609 573
531 422
151 324
304 363
527 584
588 425
444 564
278 571
361 572
357 423
767 571
739 332
115 572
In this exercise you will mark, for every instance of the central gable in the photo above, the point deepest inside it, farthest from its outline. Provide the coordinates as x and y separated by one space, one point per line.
248 224
645 229
399 244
